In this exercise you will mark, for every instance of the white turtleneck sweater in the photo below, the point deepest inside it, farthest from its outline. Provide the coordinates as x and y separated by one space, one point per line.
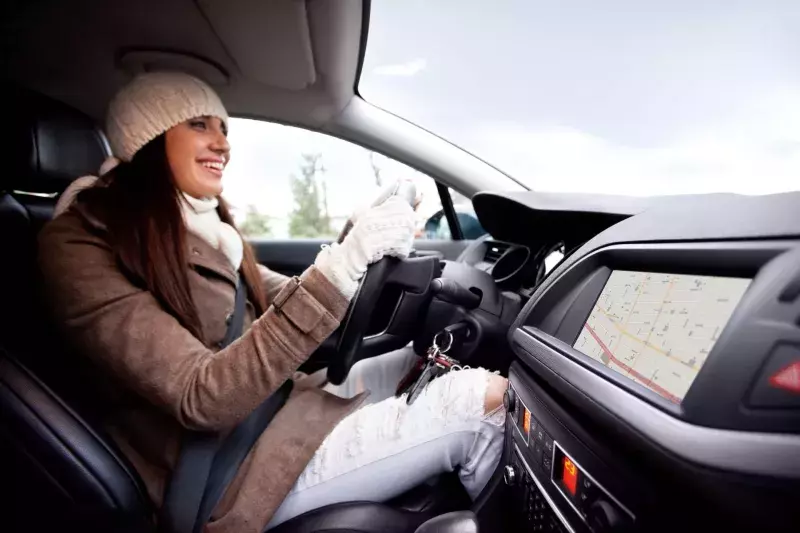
202 219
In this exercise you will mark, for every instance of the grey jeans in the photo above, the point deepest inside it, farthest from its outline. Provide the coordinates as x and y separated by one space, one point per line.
387 447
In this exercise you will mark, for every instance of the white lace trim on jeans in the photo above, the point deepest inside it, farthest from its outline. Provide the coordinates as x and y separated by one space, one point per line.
382 429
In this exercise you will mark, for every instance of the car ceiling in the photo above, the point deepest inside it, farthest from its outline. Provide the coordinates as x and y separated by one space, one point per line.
293 61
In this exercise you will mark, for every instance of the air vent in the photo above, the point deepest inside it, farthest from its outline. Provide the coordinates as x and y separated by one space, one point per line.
494 251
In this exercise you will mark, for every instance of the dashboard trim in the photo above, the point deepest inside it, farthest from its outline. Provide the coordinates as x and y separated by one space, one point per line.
693 219
763 251
746 452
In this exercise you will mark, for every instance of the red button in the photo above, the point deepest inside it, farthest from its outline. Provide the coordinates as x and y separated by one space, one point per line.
787 378
778 383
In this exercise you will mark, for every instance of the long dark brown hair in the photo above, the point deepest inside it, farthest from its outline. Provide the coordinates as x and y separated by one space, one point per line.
140 204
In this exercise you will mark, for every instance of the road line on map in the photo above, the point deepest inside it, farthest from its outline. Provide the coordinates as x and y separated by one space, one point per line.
656 387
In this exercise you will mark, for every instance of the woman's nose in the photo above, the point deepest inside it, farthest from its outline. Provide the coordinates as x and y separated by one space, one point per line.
221 144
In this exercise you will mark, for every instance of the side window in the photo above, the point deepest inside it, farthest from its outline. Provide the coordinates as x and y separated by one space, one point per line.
284 182
436 226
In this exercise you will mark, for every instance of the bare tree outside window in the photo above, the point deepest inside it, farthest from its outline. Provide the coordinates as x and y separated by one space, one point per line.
310 217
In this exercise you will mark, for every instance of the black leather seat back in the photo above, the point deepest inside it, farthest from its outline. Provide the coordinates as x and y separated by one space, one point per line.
57 468
50 145
58 472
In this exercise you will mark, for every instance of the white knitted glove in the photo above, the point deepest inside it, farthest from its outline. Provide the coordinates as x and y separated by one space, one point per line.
386 229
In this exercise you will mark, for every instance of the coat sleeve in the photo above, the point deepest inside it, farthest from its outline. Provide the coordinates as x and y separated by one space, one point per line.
272 282
124 328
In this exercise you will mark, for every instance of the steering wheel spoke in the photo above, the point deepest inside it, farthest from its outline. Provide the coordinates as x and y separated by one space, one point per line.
413 276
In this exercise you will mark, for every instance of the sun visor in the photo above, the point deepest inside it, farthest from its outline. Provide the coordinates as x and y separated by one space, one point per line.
270 40
135 61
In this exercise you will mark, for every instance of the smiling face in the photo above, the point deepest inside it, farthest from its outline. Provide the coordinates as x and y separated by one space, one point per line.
197 152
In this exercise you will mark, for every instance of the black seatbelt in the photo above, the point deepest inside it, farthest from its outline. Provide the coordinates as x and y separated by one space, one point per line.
236 324
184 491
235 448
207 464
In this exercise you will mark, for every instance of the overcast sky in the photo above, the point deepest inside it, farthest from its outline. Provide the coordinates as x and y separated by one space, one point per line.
636 97
621 96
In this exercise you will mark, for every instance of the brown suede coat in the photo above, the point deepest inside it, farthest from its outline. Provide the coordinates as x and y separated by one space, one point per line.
164 379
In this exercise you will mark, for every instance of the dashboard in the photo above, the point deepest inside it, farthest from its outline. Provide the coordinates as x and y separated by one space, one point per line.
532 232
655 376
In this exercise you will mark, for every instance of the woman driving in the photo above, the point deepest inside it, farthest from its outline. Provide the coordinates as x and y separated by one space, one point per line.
142 268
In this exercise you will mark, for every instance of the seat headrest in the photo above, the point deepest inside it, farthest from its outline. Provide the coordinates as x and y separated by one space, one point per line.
52 144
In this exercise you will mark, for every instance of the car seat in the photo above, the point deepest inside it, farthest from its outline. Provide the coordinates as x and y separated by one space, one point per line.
59 469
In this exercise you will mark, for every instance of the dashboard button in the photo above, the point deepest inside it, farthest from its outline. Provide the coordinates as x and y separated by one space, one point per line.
548 445
778 384
547 462
587 493
538 450
534 424
539 434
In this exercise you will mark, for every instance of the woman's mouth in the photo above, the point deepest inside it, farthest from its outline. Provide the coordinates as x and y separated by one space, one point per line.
215 167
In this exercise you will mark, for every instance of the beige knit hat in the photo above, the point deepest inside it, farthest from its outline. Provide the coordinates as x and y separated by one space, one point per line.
153 103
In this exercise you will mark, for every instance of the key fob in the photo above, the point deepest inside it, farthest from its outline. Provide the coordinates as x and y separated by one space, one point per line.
420 383
410 377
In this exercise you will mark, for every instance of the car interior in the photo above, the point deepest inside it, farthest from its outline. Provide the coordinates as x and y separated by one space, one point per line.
593 440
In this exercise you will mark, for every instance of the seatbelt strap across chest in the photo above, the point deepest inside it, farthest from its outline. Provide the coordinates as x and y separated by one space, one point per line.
207 463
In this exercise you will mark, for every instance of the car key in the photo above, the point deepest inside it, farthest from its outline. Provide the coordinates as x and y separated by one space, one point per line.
441 364
419 373
436 364
414 375
427 375
411 376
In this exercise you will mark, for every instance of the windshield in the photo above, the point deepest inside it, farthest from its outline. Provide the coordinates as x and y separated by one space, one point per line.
618 96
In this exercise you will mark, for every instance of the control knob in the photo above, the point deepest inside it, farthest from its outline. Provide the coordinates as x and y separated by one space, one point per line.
604 517
509 399
509 475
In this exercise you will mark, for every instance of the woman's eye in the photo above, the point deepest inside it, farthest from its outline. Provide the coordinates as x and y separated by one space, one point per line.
198 124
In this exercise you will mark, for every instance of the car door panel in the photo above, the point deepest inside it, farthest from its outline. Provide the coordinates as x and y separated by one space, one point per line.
292 256
287 256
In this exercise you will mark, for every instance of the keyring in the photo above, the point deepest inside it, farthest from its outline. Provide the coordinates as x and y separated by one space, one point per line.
449 342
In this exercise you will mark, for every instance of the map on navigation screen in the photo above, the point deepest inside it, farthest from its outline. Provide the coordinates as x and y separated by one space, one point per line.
658 329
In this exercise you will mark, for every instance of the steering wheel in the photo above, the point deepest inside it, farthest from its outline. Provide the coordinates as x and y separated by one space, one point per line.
355 323
357 319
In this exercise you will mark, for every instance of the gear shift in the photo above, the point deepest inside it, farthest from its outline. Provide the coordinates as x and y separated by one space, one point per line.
455 522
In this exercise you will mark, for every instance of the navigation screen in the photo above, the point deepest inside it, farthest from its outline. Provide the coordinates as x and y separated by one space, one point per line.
658 329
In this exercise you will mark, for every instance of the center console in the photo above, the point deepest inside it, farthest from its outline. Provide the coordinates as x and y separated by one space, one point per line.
657 388
551 489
